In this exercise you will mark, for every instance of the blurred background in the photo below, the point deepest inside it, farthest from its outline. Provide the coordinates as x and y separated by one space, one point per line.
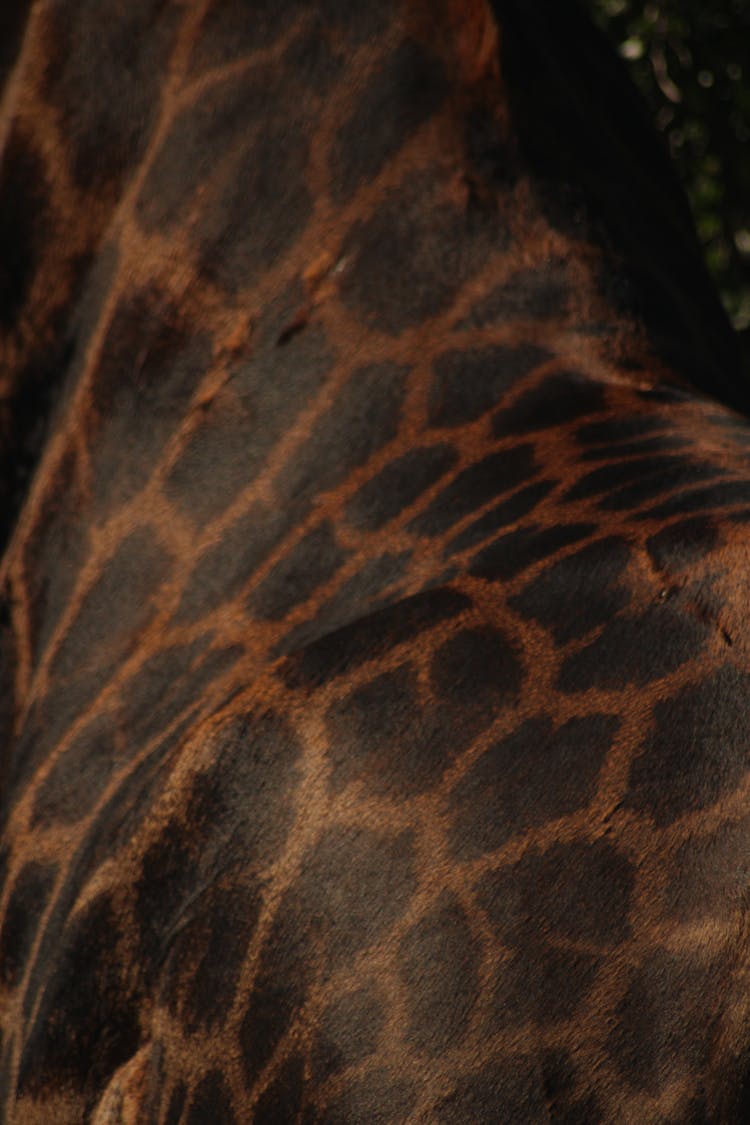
691 60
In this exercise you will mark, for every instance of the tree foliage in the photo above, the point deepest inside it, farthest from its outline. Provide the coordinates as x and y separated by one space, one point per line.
691 59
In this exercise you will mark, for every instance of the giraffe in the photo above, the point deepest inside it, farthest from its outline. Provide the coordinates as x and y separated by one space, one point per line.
374 652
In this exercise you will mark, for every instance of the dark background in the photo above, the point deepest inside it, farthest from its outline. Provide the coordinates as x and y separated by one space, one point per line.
691 60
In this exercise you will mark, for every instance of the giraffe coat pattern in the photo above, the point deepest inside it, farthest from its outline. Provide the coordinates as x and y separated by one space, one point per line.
376 517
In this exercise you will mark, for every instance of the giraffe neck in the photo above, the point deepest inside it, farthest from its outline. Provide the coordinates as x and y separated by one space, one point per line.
399 103
400 184
355 238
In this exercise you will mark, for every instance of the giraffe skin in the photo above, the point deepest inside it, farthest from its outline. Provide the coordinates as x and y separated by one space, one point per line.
375 654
